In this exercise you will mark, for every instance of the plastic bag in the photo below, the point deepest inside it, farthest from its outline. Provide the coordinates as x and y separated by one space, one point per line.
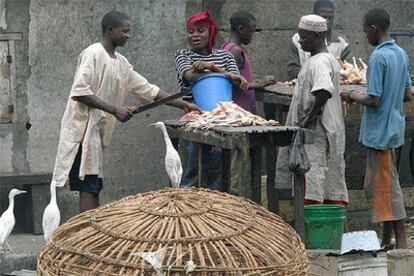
298 158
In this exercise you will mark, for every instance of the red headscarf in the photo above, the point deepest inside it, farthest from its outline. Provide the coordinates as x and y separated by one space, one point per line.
204 19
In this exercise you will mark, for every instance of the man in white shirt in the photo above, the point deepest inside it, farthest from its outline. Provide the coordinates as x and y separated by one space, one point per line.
316 105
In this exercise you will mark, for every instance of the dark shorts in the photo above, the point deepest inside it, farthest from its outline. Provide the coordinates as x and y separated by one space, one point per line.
91 184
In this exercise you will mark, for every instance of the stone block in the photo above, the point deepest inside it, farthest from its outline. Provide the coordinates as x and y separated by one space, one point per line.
320 264
12 262
400 262
39 197
365 263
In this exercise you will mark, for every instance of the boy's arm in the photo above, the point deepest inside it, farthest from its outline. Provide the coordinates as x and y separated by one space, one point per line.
364 99
376 69
82 92
408 91
408 95
123 114
186 106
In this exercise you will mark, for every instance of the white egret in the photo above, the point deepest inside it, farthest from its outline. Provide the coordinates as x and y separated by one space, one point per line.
172 159
51 215
7 219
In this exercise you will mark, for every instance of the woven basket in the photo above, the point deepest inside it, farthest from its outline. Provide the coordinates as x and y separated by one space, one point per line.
192 231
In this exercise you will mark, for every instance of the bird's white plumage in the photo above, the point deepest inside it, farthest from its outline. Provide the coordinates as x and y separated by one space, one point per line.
51 215
7 219
172 158
7 222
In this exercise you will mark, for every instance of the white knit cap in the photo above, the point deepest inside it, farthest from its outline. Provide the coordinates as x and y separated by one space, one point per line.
313 23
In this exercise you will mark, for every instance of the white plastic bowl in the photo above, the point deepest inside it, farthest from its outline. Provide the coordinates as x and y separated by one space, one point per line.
360 241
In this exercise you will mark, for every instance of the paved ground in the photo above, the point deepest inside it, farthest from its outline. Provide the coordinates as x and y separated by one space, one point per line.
26 248
26 243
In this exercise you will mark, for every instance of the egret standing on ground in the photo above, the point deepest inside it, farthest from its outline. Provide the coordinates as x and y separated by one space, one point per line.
51 215
172 159
7 219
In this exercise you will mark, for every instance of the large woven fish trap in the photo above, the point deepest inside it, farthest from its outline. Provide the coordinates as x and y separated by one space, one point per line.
175 232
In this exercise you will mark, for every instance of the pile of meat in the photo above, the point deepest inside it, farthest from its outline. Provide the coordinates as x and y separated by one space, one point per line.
291 82
227 114
352 73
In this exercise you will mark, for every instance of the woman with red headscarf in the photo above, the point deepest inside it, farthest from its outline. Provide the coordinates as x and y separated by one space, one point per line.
191 64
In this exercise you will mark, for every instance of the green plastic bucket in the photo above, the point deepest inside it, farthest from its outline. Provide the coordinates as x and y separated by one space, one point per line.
324 226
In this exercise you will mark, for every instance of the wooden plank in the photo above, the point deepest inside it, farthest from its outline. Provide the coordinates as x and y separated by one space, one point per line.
245 186
205 137
279 88
273 98
203 166
231 130
231 138
252 129
226 173
272 196
299 187
256 171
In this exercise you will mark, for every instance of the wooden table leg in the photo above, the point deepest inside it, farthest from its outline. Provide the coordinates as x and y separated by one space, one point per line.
245 186
202 166
256 180
299 183
226 172
272 195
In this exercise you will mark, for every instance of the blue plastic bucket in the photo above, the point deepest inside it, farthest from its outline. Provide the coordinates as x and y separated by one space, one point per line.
209 90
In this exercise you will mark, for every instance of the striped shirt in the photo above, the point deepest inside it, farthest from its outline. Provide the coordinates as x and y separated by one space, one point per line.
184 59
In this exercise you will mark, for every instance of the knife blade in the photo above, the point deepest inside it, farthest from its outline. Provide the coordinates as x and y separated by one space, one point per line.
142 108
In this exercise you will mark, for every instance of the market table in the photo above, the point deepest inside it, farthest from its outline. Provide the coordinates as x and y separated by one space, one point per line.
249 141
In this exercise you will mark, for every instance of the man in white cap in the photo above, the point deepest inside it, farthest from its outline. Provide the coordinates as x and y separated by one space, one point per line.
316 105
337 43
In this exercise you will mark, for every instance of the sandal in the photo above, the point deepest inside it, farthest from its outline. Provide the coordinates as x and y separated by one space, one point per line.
387 247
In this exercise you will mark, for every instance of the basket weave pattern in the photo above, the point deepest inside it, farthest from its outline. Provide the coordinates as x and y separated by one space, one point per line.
219 233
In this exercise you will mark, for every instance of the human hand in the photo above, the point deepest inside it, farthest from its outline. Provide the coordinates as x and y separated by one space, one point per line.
238 80
189 107
123 114
345 96
267 80
200 66
305 122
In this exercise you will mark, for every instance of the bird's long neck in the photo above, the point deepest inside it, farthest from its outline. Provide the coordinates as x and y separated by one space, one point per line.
11 203
52 192
166 137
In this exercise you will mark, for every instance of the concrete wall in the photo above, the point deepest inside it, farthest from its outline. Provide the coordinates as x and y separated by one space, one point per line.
54 33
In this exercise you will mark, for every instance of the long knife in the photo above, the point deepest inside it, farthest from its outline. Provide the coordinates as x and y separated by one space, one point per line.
142 108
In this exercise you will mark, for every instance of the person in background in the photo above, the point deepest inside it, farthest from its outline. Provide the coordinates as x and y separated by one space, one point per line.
192 63
102 80
383 124
337 44
243 26
316 105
